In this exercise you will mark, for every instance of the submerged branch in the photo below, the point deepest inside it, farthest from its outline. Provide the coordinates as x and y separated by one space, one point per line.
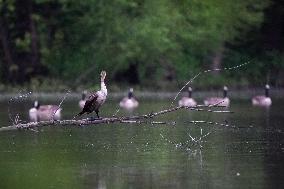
83 122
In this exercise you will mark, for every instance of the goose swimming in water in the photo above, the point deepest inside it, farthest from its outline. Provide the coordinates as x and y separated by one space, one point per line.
83 100
129 102
225 101
187 101
262 100
96 99
44 112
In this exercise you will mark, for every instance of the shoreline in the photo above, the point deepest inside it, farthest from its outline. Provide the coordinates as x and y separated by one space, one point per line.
233 94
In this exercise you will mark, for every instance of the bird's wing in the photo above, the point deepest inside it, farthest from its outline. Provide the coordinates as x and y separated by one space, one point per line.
89 103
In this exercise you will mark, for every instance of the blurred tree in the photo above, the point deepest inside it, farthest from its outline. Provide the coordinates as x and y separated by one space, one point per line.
136 40
6 54
19 40
264 45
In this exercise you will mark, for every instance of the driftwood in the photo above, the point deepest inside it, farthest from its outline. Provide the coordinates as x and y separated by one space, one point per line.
88 121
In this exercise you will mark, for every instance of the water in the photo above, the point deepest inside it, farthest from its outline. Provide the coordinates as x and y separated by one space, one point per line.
247 154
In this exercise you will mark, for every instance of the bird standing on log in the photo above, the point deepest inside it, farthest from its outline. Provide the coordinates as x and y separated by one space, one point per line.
96 99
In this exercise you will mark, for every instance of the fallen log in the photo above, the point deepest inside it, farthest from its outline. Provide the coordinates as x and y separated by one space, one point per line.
108 120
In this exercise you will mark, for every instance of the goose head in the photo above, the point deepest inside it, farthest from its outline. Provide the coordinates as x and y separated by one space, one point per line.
130 93
225 91
267 87
36 104
103 75
189 92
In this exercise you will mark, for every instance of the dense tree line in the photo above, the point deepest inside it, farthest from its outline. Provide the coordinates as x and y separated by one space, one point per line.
140 40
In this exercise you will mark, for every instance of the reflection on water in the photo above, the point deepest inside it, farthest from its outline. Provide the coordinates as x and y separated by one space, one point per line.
247 154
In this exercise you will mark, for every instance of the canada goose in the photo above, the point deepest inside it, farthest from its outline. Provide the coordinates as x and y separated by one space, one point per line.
44 112
129 102
262 100
225 101
83 100
187 101
96 99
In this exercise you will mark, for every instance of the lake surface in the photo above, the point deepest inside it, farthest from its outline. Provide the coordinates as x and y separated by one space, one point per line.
247 154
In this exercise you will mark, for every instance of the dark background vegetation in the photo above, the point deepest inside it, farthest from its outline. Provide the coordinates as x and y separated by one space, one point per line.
149 44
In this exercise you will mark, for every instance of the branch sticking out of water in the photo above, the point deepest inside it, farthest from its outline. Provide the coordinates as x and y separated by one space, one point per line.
204 72
59 106
19 97
132 119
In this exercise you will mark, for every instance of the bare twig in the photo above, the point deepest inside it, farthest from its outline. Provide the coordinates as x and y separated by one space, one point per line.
116 112
204 72
20 96
59 106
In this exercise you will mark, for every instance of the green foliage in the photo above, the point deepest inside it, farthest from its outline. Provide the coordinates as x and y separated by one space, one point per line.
164 40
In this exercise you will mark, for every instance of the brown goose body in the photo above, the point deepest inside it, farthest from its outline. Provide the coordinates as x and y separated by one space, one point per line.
129 102
187 101
44 112
96 99
262 100
218 101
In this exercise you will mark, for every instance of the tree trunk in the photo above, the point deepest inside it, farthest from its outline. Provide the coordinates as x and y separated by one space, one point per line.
8 59
34 40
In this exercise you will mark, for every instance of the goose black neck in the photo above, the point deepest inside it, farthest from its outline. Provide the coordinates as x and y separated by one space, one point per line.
225 93
189 93
266 92
130 94
83 96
